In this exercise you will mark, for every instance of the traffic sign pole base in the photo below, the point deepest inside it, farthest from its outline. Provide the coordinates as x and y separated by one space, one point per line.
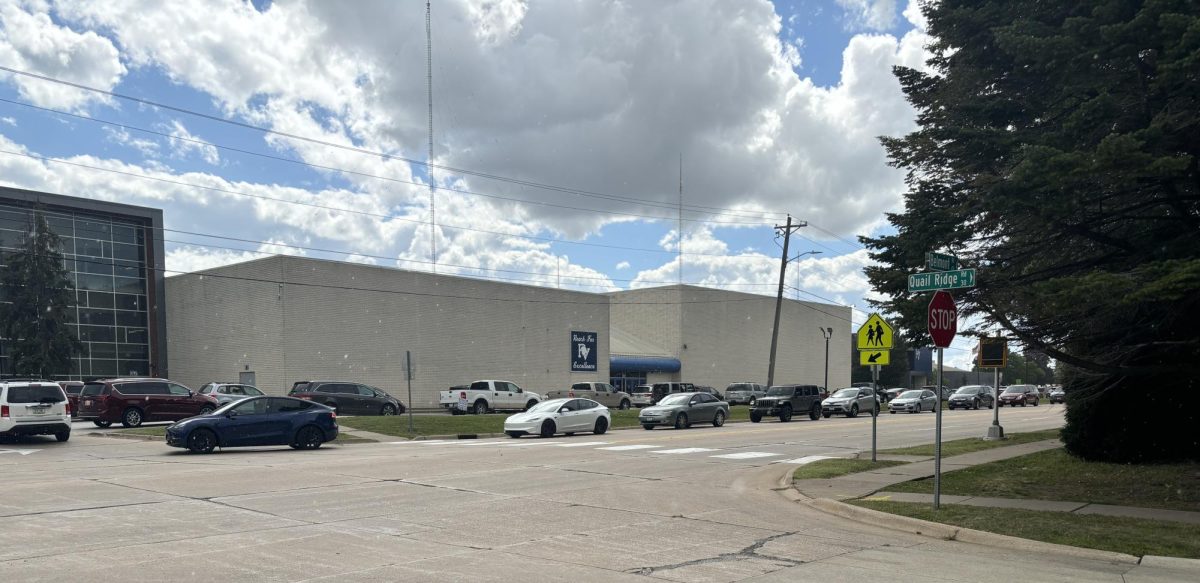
995 433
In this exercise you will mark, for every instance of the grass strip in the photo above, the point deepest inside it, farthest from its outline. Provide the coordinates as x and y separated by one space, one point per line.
1056 475
1134 536
971 444
833 468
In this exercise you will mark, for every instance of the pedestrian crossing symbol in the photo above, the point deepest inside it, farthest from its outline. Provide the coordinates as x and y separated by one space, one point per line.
875 334
874 357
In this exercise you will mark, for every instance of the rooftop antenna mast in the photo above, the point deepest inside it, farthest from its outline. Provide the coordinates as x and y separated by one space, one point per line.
429 166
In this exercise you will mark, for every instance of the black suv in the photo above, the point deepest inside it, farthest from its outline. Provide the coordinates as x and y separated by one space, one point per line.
348 398
786 400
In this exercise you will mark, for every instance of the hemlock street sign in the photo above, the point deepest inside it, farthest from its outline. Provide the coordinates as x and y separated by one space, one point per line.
959 278
940 262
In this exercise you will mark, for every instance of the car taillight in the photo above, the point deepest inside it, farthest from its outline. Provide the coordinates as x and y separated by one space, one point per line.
68 408
334 413
570 393
3 410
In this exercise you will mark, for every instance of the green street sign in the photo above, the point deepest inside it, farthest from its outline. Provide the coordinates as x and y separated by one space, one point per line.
960 278
940 262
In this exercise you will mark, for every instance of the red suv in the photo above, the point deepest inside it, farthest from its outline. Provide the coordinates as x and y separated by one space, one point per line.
72 388
132 401
1021 395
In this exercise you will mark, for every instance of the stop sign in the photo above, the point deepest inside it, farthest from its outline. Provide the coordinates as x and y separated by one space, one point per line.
943 319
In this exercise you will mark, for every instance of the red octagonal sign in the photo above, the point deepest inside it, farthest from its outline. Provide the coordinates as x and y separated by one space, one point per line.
943 319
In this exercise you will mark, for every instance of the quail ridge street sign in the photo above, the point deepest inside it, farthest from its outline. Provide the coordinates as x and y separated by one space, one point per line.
959 278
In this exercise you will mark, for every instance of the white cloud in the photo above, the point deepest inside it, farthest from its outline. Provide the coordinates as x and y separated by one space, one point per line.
9 121
623 265
185 143
32 42
148 148
913 14
870 14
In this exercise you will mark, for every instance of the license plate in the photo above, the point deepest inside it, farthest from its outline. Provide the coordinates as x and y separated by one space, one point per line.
38 411
87 402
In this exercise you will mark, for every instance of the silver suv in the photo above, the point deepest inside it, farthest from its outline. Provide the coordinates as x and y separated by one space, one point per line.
850 402
34 408
230 392
748 393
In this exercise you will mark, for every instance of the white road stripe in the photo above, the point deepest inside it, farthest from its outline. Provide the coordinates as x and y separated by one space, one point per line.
628 447
746 455
421 441
685 450
581 444
808 459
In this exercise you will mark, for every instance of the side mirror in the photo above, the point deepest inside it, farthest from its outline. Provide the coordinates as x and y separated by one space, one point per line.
563 410
191 393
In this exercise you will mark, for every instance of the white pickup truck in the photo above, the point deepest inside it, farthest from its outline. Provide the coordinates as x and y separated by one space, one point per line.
484 396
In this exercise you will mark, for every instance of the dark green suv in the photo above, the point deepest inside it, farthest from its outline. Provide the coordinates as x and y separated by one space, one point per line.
786 400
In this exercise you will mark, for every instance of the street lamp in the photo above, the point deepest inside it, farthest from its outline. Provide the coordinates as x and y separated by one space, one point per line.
827 333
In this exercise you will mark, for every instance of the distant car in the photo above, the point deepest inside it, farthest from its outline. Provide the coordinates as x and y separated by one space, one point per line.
1020 395
914 401
34 408
849 402
72 389
348 398
972 397
1057 395
709 390
945 392
642 396
744 393
681 410
229 392
602 393
786 400
135 400
894 392
257 421
569 416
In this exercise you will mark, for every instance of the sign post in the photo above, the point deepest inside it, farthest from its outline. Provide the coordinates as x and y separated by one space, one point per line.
943 325
875 409
993 354
408 375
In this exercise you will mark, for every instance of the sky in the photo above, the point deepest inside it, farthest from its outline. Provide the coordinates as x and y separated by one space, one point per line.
561 132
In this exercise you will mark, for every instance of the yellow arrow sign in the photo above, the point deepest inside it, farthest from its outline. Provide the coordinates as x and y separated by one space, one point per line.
875 334
871 357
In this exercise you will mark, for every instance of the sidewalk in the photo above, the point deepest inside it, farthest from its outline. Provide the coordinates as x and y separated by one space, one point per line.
865 483
1046 505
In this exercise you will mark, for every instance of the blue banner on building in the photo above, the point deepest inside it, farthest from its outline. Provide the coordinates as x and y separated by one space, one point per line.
583 351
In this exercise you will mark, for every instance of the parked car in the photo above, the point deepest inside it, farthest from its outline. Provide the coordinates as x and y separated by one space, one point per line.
972 397
709 390
683 409
1057 395
229 392
348 398
642 396
569 416
785 400
490 395
894 392
34 408
72 388
744 393
135 400
945 392
660 390
1020 395
257 421
914 401
849 402
602 393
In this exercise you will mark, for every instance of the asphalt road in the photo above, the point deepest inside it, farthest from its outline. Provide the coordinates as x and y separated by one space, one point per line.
631 505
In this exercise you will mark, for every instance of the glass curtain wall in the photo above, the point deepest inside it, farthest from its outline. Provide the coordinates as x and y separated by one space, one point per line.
106 260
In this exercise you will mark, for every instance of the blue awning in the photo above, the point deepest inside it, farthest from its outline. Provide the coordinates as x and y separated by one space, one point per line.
618 364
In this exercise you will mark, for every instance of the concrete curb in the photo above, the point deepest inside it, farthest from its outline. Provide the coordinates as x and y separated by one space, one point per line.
941 531
126 436
1177 563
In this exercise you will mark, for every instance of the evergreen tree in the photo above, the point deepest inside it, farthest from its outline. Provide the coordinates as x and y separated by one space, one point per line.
1056 153
34 322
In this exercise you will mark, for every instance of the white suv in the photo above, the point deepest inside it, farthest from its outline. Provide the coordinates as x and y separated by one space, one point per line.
34 408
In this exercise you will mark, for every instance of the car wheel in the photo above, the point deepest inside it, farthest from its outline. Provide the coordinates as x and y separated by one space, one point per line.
530 404
205 410
1024 404
719 419
785 414
853 411
601 426
1035 403
62 435
624 406
309 437
387 410
815 412
681 421
976 403
132 417
755 416
892 411
513 434
548 428
201 441
480 407
647 427
102 423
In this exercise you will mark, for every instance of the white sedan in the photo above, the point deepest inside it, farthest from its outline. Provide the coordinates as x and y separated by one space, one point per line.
567 416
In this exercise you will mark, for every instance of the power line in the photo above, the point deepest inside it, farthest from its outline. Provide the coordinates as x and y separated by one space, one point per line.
427 164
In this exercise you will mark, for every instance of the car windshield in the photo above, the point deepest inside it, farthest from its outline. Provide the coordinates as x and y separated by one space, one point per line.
845 393
36 394
1014 389
676 399
779 392
966 391
547 406
738 387
92 389
913 394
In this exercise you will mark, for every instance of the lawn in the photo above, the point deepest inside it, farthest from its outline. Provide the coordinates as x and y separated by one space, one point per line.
161 431
960 446
1125 535
1055 475
447 424
833 468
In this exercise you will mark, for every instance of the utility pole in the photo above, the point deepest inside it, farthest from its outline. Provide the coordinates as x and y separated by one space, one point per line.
680 227
429 165
787 231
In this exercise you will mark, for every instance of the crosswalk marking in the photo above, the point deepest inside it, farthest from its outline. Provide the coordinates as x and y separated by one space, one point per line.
746 455
808 459
685 450
628 447
581 444
421 441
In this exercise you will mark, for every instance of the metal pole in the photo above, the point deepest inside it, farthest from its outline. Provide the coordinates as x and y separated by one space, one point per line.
787 236
827 333
408 373
937 439
996 431
875 410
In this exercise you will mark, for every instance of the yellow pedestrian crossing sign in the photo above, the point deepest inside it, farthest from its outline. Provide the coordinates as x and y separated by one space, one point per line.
873 357
875 334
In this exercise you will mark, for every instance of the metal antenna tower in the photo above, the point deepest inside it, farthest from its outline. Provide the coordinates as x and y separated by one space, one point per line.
680 227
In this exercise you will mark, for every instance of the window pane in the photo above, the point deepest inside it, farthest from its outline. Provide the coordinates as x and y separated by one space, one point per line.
137 319
124 234
134 368
129 285
136 336
97 334
98 299
130 302
94 282
102 349
132 351
104 368
96 317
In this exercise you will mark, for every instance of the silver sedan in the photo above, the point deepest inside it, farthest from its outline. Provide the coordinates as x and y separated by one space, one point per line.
914 401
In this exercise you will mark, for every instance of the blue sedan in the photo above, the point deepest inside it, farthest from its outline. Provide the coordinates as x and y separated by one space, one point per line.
257 421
